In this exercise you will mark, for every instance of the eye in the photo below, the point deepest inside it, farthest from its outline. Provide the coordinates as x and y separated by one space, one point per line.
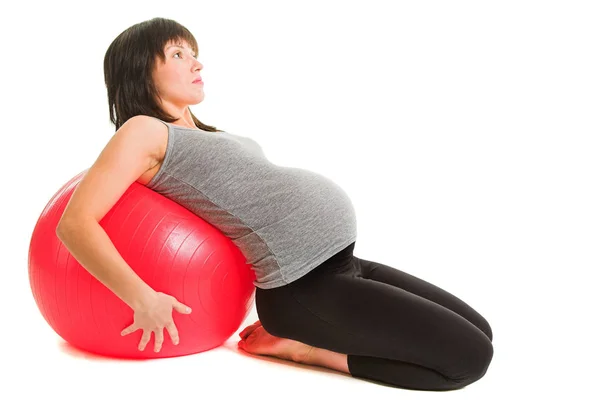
179 52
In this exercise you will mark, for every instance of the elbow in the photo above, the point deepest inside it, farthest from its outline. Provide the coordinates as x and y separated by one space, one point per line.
60 230
65 226
70 226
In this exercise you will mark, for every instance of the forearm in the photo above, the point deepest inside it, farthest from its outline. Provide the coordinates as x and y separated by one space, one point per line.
90 245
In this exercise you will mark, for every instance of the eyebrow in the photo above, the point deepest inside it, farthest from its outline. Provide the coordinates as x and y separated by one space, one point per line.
181 47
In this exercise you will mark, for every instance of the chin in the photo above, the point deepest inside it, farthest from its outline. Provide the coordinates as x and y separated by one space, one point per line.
196 99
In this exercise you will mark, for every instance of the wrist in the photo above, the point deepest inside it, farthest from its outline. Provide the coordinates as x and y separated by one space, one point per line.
143 297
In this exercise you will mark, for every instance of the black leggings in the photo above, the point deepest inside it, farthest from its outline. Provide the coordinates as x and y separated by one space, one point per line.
395 328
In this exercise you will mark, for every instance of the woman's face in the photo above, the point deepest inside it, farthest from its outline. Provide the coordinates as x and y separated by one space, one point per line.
174 78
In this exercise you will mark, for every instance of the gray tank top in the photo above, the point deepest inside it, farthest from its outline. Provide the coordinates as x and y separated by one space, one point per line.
286 221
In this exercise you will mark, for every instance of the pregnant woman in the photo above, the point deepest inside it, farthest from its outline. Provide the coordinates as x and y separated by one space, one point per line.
317 302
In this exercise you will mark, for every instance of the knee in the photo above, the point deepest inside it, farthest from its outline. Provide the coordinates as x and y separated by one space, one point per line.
477 366
481 368
487 329
484 326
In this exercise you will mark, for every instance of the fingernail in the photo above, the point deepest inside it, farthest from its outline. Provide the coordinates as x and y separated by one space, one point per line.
188 309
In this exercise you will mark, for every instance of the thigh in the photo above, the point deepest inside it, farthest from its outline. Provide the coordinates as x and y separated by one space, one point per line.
383 273
345 313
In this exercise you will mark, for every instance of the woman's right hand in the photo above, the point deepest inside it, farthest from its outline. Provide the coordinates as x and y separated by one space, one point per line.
155 315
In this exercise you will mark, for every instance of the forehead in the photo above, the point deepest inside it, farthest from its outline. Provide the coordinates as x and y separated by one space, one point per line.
182 44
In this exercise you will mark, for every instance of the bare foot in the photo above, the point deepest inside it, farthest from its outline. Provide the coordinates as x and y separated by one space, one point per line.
248 330
256 340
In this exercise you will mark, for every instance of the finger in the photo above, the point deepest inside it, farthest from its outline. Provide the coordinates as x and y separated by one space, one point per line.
129 329
172 330
145 339
182 308
158 339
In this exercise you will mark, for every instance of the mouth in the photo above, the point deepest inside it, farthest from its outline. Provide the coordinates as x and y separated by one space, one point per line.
199 80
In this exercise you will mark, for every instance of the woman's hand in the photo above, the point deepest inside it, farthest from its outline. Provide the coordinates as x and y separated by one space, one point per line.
155 315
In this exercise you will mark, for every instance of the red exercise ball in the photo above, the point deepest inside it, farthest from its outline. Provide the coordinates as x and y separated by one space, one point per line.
170 248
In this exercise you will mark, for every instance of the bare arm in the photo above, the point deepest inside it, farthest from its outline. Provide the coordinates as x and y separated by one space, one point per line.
89 244
129 153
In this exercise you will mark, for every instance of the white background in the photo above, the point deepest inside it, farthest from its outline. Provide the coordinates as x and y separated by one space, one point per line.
465 132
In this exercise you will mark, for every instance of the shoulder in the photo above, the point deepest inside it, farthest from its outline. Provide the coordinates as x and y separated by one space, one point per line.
142 123
146 127
149 131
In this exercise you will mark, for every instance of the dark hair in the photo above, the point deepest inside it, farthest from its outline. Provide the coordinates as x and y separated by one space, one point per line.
128 65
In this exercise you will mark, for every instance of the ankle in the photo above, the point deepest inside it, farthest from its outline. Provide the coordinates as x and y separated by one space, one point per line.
327 358
304 355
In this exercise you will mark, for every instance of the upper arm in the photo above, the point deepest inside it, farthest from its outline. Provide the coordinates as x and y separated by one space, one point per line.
130 152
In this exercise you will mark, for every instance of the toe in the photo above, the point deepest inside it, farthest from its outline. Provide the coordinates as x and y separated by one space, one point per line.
249 329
